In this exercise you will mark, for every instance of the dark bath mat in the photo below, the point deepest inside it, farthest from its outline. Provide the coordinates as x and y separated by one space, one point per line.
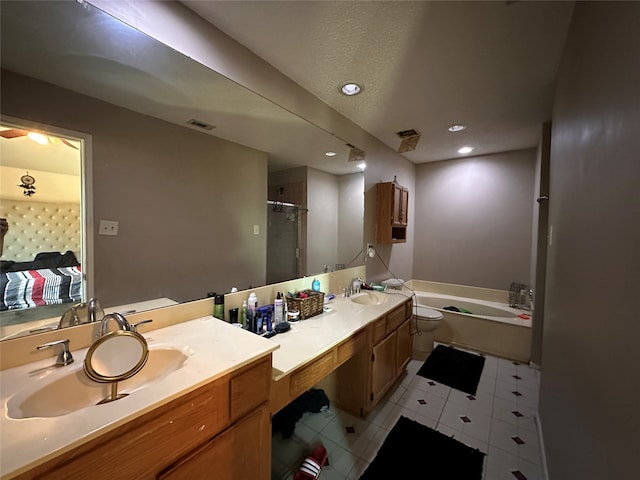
454 368
412 450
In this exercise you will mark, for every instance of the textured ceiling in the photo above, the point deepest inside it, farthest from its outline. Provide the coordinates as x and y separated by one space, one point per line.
423 65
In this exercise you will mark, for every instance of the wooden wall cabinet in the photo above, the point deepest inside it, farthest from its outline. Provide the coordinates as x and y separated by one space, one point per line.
392 212
221 430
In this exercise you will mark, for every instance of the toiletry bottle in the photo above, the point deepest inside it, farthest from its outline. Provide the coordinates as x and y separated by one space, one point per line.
251 320
258 319
277 309
315 285
218 307
253 303
243 315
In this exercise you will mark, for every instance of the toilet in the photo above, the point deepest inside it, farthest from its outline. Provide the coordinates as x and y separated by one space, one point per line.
425 322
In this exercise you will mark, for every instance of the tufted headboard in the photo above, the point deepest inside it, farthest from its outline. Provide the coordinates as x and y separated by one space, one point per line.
36 227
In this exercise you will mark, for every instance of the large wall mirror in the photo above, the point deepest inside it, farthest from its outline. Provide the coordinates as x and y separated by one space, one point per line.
198 209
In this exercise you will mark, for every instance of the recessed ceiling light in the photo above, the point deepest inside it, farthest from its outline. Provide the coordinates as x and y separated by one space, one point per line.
330 154
464 150
456 128
351 89
362 166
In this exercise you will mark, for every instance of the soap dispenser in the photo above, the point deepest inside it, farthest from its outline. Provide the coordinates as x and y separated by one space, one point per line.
315 285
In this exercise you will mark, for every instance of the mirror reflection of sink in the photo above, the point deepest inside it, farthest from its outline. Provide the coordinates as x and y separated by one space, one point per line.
74 390
370 298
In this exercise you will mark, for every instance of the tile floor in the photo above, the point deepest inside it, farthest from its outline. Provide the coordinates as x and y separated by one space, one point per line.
499 420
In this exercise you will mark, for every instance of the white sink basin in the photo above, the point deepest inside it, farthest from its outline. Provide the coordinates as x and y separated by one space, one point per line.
370 298
67 393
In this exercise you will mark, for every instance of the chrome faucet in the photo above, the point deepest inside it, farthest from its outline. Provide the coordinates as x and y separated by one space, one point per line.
122 322
134 326
92 310
64 357
81 313
356 285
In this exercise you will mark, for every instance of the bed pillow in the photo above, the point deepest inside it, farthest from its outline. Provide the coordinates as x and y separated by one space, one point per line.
42 260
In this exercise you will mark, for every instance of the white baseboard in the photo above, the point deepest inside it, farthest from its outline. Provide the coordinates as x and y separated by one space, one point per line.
543 456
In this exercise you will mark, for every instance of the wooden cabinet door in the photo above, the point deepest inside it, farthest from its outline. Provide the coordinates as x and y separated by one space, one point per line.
241 452
383 371
397 205
404 206
404 346
400 207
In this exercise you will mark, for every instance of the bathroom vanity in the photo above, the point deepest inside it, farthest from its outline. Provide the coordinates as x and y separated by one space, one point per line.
210 417
355 353
186 423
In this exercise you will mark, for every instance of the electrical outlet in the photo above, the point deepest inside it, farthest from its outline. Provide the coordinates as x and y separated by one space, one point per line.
108 227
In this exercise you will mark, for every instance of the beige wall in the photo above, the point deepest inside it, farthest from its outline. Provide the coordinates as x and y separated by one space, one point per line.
186 202
175 25
322 220
350 218
590 365
473 220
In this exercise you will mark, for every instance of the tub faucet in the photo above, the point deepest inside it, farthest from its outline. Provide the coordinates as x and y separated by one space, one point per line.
122 322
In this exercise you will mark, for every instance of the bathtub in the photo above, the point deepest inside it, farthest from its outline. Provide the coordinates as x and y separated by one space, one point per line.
491 327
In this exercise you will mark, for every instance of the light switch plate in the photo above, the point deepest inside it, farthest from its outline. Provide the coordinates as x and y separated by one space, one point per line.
108 227
256 229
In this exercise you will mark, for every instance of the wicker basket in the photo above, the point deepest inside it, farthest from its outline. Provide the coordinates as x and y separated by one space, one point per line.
308 307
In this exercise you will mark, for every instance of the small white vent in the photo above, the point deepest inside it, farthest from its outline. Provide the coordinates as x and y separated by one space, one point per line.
197 123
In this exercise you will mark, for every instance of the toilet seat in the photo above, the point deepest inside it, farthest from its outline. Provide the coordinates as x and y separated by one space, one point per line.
427 313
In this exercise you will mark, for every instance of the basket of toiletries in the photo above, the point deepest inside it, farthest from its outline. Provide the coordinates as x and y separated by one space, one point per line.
307 302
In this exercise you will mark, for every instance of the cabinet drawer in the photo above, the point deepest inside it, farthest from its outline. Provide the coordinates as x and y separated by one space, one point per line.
249 388
379 330
395 318
308 376
349 348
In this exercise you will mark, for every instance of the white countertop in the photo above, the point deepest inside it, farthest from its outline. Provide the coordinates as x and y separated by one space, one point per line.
215 348
310 338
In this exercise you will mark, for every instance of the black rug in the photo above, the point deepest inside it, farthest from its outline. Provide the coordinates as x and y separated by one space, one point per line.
454 368
413 451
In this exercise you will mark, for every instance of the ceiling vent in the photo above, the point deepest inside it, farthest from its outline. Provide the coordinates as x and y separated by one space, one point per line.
355 154
409 140
197 123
